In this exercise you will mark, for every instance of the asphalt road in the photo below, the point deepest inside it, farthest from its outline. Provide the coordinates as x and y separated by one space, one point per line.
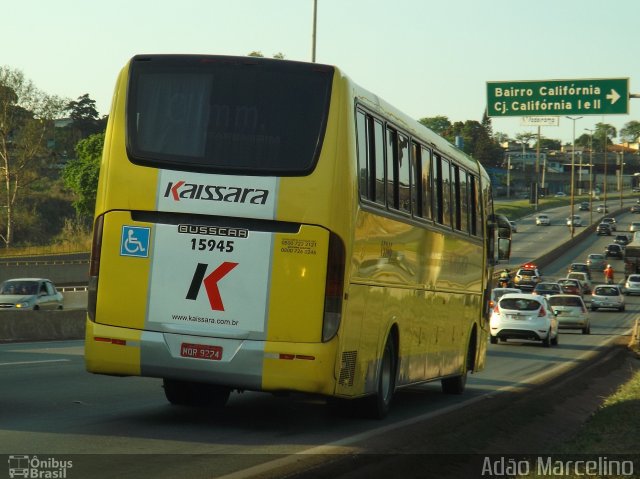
50 407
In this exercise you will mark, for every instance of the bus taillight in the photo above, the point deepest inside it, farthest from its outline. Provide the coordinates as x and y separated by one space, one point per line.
94 267
334 288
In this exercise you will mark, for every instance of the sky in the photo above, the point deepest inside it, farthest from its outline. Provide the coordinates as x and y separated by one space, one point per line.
426 57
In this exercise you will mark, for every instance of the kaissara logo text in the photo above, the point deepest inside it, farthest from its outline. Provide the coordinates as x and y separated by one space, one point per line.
181 190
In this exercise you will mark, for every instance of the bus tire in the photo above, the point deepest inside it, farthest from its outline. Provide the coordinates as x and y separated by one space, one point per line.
187 393
378 405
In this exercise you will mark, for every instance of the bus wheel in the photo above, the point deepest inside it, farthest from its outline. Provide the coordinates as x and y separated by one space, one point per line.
187 393
378 405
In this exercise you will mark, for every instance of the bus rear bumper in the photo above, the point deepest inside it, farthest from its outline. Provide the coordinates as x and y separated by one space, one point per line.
240 364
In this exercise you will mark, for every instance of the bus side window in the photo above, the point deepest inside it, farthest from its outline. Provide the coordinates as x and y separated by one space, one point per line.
475 221
364 172
455 197
379 170
427 187
463 187
416 180
392 169
404 175
445 179
437 189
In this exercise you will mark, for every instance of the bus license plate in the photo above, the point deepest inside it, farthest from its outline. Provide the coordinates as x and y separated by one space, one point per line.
201 351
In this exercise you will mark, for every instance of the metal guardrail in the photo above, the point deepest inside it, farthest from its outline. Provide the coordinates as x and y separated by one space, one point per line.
67 289
42 262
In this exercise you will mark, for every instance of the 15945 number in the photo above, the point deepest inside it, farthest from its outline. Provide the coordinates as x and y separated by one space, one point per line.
203 244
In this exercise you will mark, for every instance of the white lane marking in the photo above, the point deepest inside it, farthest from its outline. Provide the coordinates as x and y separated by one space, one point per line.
20 363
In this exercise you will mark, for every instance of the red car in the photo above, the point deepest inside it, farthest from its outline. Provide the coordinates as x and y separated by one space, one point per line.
570 286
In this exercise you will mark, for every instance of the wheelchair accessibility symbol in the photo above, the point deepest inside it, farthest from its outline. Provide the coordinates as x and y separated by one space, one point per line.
135 241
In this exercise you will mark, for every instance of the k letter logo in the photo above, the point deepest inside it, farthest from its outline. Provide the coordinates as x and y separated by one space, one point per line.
210 283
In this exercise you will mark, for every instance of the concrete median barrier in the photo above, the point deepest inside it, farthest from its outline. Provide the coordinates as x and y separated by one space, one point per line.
41 325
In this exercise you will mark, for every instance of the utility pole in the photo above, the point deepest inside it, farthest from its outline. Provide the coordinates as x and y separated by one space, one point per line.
590 175
573 167
313 35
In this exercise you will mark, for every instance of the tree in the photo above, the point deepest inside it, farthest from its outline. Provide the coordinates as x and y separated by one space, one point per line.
549 144
525 137
500 137
259 54
438 124
26 118
584 140
84 115
80 175
604 133
631 131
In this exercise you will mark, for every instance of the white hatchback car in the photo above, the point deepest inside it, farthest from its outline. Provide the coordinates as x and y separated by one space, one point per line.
524 316
571 312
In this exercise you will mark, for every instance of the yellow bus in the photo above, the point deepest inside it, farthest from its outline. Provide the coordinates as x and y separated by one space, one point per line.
269 225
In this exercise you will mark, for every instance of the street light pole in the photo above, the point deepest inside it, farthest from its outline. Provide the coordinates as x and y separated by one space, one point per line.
313 36
508 177
620 179
590 175
573 167
604 150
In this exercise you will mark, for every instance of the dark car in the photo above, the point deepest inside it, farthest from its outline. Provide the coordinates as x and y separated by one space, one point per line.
622 240
603 229
635 209
545 288
580 268
614 251
584 206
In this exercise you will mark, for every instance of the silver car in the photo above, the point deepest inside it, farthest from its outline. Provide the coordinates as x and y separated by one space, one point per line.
596 262
574 220
571 312
632 284
29 294
543 220
607 296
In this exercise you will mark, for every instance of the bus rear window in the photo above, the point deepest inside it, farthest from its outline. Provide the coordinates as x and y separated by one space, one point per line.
235 115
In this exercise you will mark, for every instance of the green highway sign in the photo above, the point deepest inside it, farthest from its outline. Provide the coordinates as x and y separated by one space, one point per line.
558 97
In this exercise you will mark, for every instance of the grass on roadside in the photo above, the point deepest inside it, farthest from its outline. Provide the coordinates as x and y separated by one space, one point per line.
614 427
73 239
